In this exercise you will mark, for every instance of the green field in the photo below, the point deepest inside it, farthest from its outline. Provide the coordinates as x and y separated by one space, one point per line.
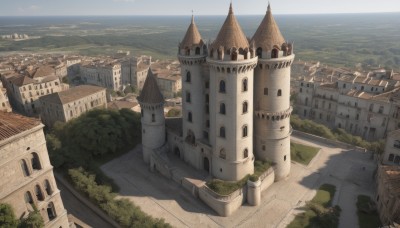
302 154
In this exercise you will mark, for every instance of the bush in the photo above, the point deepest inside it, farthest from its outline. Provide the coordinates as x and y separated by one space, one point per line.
174 113
34 220
122 211
7 216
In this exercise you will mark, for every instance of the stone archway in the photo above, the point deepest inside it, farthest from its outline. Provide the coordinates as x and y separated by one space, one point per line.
206 164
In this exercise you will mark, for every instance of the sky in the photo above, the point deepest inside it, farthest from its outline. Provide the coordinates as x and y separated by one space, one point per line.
185 7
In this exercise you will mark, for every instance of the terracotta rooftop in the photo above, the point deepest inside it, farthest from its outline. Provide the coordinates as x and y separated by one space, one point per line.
117 105
151 93
75 93
44 71
192 37
268 34
12 124
21 80
231 35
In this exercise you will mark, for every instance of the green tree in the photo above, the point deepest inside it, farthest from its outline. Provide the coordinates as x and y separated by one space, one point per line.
34 220
7 217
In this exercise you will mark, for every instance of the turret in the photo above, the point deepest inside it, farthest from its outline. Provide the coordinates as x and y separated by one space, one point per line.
153 121
231 64
272 96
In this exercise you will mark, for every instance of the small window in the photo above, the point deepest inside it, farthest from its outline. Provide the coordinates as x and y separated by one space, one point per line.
24 167
246 153
188 77
222 132
245 107
244 133
51 212
188 98
397 160
142 111
244 89
222 109
222 154
391 157
265 91
263 147
35 162
38 193
284 158
153 118
28 197
190 116
48 188
222 86
279 93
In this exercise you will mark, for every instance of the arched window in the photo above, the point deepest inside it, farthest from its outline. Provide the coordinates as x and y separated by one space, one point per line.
39 193
259 52
265 91
244 131
28 197
190 116
187 51
245 107
222 109
222 132
279 93
153 118
197 51
222 86
234 55
35 162
222 153
391 157
246 153
25 169
48 188
188 77
244 85
274 53
51 212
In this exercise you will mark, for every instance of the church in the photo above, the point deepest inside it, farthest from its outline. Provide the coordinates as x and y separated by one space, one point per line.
235 103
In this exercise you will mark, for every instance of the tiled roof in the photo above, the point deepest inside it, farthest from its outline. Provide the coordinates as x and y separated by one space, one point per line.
75 93
21 80
117 105
12 124
44 71
192 36
231 35
151 93
268 34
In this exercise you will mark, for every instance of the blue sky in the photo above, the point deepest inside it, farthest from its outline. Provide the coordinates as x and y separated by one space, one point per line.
184 7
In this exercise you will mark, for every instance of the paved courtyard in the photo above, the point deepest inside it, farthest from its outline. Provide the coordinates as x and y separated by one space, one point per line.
350 171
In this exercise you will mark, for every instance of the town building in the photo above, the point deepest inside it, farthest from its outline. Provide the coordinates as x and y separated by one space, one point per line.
104 74
134 71
388 195
27 179
4 102
235 106
66 105
365 105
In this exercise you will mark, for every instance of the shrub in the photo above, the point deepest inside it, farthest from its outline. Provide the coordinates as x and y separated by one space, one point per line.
174 113
7 216
34 220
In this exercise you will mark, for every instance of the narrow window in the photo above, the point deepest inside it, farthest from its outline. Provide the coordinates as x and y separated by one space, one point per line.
244 89
284 158
142 112
245 107
222 109
265 91
35 162
246 153
391 157
222 132
48 188
51 212
259 52
188 77
38 193
222 154
153 118
244 133
190 116
28 197
222 86
188 98
279 93
25 169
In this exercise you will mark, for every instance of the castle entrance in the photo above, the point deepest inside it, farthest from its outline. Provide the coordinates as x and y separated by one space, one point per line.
206 164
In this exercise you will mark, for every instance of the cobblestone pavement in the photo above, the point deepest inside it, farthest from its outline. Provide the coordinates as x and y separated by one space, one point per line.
350 171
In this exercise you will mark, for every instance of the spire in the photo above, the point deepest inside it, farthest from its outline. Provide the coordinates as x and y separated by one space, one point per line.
268 33
151 94
192 36
230 35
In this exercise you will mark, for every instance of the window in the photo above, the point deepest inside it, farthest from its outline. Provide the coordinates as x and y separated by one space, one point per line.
25 169
222 132
188 77
263 147
188 99
391 157
371 107
397 160
380 109
244 131
153 118
396 144
51 212
259 52
190 116
344 86
35 162
222 109
222 153
38 193
244 89
142 112
301 90
279 93
245 107
28 197
48 188
246 153
265 91
197 52
222 86
284 158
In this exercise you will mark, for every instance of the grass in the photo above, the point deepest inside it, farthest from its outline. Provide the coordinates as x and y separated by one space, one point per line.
302 154
319 211
367 217
228 187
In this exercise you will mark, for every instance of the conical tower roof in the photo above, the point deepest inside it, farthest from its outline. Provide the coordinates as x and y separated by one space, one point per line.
192 36
231 35
151 94
268 33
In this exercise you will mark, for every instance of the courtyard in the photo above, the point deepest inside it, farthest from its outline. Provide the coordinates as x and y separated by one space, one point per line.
350 171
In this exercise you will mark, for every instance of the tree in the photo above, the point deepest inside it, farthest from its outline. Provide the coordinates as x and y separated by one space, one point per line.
7 216
34 220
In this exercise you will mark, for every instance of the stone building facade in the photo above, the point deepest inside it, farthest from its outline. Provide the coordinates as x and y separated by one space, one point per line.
235 102
66 105
26 175
134 71
104 75
388 195
4 102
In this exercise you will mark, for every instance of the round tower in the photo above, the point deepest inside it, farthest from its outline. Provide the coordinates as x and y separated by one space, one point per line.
153 121
272 96
231 62
192 55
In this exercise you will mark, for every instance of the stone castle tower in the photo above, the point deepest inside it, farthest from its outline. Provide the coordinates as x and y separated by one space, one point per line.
235 101
153 121
272 96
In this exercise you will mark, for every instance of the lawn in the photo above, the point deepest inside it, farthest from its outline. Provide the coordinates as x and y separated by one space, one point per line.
319 211
367 217
302 154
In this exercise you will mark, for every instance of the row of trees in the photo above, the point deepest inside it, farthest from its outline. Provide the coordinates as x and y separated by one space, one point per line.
8 220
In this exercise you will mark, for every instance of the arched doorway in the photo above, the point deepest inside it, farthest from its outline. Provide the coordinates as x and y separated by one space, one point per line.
206 164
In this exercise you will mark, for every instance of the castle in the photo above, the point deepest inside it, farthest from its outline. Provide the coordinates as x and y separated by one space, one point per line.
235 103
